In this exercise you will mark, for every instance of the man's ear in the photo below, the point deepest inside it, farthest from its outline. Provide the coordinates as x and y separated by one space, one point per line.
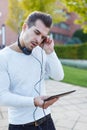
24 27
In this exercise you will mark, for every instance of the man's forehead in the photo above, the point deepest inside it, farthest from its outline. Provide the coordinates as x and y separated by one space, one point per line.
41 31
40 27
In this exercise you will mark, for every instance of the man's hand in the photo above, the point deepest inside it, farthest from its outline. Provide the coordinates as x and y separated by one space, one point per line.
39 102
48 46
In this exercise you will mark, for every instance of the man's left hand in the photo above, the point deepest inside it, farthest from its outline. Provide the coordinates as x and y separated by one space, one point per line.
48 46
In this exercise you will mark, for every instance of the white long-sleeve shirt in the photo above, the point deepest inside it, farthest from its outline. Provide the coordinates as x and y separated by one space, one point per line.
22 79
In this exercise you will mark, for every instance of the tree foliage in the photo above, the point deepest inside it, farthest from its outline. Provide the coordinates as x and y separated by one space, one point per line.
22 8
81 35
53 7
15 14
79 7
19 9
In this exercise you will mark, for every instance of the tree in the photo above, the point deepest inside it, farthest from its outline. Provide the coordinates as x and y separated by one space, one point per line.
53 7
58 9
22 8
81 35
15 14
79 7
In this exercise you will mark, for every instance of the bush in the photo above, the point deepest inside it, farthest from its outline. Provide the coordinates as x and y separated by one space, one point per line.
82 51
76 51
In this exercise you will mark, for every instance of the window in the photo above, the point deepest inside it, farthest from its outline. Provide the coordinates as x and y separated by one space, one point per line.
62 25
60 37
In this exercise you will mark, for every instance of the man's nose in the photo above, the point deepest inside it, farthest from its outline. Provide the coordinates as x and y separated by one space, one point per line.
39 39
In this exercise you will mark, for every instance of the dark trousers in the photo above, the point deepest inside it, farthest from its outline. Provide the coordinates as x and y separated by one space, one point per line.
47 125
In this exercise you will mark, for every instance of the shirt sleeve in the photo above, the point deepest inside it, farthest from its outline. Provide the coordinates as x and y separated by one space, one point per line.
54 67
7 98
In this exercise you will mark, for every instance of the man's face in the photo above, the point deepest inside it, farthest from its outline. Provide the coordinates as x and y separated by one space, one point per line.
33 36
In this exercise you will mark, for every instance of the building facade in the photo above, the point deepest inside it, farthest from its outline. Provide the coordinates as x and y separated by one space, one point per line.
63 32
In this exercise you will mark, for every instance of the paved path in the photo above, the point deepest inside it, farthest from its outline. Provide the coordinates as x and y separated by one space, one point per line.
69 113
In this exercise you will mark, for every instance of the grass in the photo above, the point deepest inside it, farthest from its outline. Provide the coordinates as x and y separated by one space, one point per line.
75 76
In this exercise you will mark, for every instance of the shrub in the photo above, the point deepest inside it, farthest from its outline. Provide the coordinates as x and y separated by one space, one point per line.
76 51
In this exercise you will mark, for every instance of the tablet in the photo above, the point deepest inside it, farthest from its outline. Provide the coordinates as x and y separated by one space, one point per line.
59 95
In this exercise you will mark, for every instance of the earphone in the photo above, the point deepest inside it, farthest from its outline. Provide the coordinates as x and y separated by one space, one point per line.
24 49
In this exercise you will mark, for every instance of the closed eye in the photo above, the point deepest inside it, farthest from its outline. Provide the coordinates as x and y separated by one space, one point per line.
37 32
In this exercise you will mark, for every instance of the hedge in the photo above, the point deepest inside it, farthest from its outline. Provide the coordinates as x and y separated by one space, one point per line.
76 51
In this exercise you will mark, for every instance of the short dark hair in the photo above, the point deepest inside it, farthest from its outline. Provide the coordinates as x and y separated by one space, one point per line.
37 15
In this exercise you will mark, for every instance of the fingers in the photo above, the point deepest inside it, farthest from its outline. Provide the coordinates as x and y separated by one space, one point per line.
49 103
48 40
39 102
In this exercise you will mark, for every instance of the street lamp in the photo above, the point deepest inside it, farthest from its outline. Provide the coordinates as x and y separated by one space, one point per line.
3 36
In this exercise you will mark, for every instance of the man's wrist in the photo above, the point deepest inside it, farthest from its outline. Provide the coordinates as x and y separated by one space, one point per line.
49 51
35 103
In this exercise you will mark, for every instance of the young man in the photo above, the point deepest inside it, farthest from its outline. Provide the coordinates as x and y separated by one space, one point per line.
23 67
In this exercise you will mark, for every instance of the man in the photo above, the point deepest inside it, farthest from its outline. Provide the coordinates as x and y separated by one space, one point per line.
23 67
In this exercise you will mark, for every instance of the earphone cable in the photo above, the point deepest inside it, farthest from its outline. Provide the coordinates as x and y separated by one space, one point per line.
41 77
39 82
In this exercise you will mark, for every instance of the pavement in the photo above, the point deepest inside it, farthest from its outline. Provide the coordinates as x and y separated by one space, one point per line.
69 112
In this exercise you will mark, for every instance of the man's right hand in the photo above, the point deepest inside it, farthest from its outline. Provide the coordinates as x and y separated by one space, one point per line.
39 102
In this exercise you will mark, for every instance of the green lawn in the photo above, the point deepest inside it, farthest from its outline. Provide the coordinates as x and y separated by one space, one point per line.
75 76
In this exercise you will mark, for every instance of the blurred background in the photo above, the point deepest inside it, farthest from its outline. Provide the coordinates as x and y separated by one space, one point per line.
69 31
